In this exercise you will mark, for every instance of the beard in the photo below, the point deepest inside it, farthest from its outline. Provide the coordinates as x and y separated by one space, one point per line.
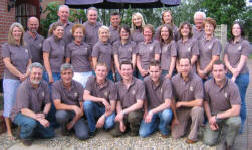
35 81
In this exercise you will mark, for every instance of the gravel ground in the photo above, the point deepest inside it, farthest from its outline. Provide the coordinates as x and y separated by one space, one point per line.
103 141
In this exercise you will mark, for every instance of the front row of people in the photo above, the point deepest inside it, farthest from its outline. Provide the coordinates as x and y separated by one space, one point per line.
131 105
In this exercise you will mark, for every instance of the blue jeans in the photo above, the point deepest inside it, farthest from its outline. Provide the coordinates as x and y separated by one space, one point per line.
51 114
165 118
242 82
30 127
93 111
10 87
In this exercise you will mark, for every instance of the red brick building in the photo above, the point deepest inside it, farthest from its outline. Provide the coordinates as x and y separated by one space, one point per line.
18 11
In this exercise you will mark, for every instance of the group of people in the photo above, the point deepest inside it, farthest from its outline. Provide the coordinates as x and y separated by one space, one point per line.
137 80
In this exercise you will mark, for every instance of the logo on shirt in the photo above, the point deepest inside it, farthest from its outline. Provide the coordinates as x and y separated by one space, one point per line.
239 48
40 44
189 49
130 49
43 94
133 92
191 88
106 93
26 50
75 94
225 94
70 30
210 46
151 48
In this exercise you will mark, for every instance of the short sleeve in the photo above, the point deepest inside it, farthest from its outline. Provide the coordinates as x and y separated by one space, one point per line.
55 91
140 95
89 84
167 89
173 49
157 48
246 48
198 92
68 51
112 93
46 46
195 47
95 51
5 50
216 49
115 48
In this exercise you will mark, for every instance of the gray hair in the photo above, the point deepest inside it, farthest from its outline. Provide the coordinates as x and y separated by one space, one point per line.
35 65
63 6
66 66
91 8
199 13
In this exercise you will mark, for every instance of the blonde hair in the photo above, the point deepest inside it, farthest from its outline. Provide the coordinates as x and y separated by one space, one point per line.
170 12
11 39
103 28
137 14
53 27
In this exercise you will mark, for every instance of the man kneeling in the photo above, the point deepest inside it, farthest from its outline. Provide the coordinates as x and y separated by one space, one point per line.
28 112
67 96
100 100
157 106
222 106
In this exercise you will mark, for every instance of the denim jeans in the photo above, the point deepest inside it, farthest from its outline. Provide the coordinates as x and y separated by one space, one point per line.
10 87
30 127
51 114
82 77
165 118
93 111
242 82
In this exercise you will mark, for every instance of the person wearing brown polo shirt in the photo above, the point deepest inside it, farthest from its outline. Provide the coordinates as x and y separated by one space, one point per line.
236 55
222 105
168 51
67 96
124 50
147 51
102 51
100 100
34 41
167 19
187 46
137 24
209 50
115 21
32 106
188 99
198 28
63 13
157 110
130 99
91 26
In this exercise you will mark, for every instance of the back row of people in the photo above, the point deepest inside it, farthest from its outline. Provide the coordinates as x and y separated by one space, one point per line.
202 50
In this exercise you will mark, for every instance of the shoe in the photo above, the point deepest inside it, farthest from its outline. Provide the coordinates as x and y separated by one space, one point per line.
132 133
164 136
64 131
189 141
27 142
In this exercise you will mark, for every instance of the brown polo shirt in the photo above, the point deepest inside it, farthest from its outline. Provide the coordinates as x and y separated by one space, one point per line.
187 90
72 96
147 52
156 94
91 33
187 49
168 51
124 51
197 34
114 34
103 52
56 50
234 52
79 55
106 91
34 45
207 49
221 99
137 36
174 30
31 98
129 96
19 57
68 38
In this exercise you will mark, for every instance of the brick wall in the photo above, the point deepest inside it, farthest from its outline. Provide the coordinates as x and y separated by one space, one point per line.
44 3
6 19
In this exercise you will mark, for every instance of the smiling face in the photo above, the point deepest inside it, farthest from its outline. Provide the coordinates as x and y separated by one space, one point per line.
92 16
126 71
185 30
164 32
236 30
198 21
101 72
59 32
155 73
63 14
137 20
115 20
36 75
184 66
209 28
17 33
167 18
78 35
66 76
147 32
124 34
103 35
33 24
